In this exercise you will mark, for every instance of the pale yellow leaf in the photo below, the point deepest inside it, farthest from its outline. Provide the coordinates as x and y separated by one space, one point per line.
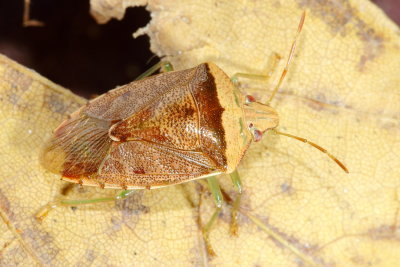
298 207
104 10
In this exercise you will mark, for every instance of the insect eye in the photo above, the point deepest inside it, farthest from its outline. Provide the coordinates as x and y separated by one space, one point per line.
257 134
251 125
249 99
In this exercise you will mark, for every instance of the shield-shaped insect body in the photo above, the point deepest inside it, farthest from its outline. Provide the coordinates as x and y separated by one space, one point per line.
165 129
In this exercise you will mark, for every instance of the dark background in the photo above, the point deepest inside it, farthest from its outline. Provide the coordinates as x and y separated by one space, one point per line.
76 52
72 49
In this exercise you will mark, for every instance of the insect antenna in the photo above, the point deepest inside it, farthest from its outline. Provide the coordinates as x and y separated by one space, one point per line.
323 150
285 70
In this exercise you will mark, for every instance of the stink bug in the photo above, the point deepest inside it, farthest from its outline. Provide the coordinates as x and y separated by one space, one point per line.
163 130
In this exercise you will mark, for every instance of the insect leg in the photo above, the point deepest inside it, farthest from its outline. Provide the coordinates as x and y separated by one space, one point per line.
262 77
276 59
43 212
234 212
215 190
218 198
163 65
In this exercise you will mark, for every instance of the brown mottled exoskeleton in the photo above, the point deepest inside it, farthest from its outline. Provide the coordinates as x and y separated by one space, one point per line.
163 130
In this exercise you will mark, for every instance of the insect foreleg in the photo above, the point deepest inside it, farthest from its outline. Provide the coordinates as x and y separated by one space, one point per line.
261 77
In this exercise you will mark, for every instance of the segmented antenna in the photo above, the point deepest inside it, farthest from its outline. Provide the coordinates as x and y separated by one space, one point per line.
323 150
285 70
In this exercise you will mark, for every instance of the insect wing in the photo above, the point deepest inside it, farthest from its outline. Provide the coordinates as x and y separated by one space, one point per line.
78 146
139 164
136 135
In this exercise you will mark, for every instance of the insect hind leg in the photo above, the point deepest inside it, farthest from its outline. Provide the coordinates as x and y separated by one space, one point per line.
44 211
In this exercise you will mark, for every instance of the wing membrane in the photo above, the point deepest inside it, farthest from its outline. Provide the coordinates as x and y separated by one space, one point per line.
77 147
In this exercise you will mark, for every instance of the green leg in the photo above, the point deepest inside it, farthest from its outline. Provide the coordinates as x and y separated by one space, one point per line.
163 65
215 190
218 198
238 185
236 76
263 77
43 212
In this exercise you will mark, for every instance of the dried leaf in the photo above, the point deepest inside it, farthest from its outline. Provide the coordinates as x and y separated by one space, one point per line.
104 10
298 207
